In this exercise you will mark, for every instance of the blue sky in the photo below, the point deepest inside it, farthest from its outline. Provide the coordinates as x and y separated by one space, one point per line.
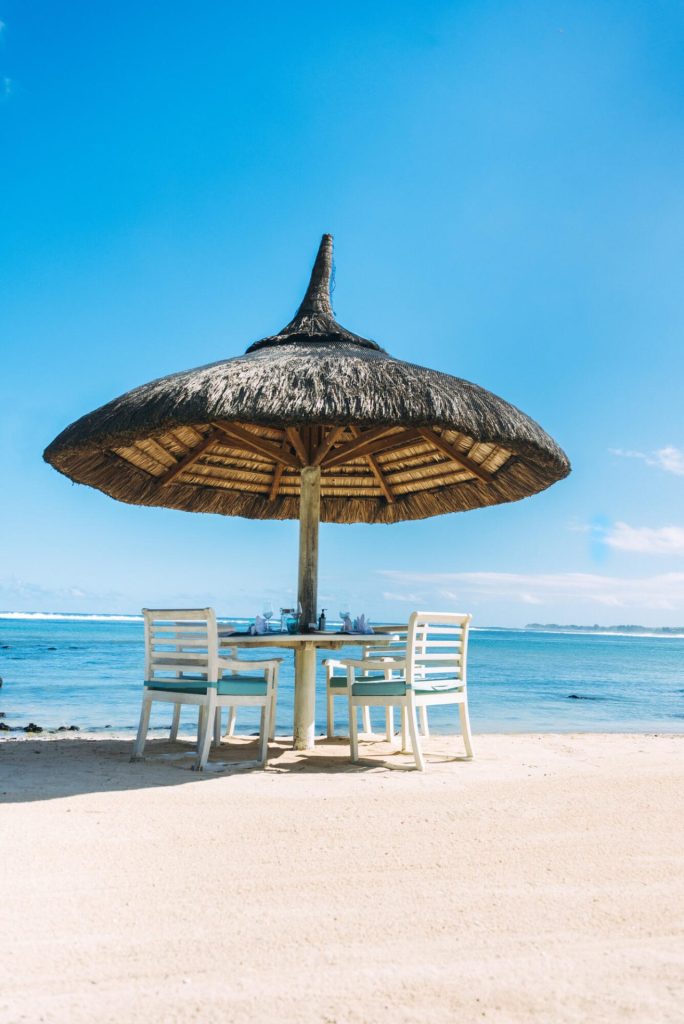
504 184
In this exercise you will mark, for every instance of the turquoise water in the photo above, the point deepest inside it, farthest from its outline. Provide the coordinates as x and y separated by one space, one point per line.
88 673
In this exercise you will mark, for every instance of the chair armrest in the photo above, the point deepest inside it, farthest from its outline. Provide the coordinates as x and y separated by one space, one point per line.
235 664
380 655
389 663
352 663
363 663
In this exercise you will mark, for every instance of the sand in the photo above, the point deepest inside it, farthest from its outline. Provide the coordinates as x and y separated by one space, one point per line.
541 882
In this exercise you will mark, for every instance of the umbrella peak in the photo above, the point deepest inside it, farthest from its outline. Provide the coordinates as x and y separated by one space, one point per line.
315 321
317 298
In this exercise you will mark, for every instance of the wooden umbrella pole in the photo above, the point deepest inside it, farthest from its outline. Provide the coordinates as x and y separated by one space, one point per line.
309 514
305 666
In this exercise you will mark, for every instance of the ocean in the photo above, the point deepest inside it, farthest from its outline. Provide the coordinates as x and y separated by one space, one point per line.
87 671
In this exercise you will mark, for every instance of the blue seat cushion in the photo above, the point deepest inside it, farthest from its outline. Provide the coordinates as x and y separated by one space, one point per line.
381 688
181 687
232 686
397 687
242 686
340 682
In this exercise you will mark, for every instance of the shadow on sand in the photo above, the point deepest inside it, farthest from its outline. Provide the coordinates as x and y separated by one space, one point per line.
50 769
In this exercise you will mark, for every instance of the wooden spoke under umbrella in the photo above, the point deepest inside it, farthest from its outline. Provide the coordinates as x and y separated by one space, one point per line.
314 423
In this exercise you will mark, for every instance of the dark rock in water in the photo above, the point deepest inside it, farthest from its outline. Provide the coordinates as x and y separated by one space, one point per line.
4 727
5 647
52 648
2 714
62 728
580 696
32 727
73 728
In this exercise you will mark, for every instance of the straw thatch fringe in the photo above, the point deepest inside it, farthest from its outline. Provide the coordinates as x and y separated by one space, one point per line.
118 478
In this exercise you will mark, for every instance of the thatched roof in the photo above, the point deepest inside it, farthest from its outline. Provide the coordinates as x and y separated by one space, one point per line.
393 439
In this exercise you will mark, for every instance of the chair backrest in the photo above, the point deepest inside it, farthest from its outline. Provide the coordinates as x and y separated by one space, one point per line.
180 643
395 648
437 646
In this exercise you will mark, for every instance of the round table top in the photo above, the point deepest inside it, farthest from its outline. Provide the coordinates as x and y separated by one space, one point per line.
381 635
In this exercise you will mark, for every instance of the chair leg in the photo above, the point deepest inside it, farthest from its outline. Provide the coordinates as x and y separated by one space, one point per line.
230 730
465 728
264 732
353 733
404 729
365 719
424 724
329 715
206 728
175 722
139 744
415 738
272 714
217 727
389 723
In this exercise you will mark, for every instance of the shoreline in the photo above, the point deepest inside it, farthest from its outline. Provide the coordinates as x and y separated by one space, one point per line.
126 734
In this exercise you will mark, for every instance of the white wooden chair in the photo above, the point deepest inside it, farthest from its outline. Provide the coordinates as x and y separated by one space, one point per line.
336 686
182 666
230 652
238 667
230 655
433 671
336 681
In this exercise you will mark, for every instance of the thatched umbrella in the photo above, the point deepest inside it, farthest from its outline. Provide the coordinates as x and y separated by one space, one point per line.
312 423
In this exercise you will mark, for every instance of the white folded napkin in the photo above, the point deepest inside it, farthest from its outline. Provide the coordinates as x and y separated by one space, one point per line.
361 625
259 627
347 624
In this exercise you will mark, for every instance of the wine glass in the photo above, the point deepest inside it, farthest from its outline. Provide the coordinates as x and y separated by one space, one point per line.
344 604
267 613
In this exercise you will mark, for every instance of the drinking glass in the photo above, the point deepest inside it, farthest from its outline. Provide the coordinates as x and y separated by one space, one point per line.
267 613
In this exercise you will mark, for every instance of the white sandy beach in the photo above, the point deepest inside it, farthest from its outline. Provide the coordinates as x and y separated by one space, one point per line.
542 882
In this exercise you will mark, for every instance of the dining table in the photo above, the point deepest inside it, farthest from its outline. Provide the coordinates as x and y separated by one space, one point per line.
305 646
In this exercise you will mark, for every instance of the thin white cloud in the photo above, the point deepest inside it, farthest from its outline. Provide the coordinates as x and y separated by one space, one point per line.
625 453
665 540
576 527
406 598
24 595
669 458
664 591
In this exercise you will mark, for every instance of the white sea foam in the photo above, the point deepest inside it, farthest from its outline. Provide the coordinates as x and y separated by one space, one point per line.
102 617
68 617
604 632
